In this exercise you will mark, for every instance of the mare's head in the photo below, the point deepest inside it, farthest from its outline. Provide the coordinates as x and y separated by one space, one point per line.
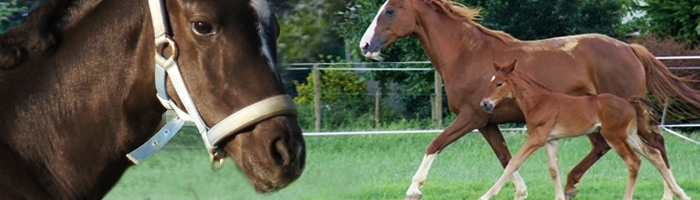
394 20
500 88
400 18
227 55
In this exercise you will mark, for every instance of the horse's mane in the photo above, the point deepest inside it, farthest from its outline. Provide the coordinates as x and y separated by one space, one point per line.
35 36
459 11
529 79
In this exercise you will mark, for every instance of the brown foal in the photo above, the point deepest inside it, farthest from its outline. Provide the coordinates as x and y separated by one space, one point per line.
552 115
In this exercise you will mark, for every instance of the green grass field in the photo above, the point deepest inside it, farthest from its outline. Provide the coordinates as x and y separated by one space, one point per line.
381 167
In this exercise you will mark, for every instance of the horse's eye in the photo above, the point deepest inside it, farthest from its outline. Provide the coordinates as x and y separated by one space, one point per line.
390 12
202 28
499 84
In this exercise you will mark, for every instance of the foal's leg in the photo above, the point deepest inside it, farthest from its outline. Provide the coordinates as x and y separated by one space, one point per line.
537 139
495 139
463 124
618 140
649 132
553 161
655 158
598 148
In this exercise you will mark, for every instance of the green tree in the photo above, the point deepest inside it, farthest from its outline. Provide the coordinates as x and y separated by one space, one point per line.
343 92
539 19
304 32
11 14
679 19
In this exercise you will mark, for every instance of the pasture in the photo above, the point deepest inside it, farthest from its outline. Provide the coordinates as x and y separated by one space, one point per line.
381 167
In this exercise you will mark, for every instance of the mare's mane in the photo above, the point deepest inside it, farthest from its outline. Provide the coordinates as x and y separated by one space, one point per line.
459 11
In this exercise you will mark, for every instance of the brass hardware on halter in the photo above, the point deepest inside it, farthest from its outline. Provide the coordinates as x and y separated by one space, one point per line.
173 48
217 158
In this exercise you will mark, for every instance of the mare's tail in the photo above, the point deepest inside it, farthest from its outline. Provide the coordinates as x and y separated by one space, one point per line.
665 87
646 126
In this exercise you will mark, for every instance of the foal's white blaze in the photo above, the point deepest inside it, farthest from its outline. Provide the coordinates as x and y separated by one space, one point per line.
264 14
493 77
369 33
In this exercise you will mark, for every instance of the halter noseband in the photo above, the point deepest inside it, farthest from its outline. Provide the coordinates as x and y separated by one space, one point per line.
167 67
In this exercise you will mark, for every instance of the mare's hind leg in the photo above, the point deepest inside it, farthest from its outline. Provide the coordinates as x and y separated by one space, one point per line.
495 139
463 124
598 148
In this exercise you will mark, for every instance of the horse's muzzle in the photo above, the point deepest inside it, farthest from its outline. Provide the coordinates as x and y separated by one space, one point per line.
487 106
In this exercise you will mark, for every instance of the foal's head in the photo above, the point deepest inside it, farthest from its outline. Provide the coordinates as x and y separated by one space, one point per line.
501 87
227 56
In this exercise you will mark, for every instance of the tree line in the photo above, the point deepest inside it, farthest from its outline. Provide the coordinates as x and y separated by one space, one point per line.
329 30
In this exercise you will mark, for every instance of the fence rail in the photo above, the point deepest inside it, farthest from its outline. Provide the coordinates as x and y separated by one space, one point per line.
326 66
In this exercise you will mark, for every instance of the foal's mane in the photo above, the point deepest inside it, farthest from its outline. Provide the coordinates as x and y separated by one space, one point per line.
459 11
527 78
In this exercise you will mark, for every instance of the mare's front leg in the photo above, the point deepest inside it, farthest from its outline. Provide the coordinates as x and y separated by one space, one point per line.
495 139
536 139
598 148
463 124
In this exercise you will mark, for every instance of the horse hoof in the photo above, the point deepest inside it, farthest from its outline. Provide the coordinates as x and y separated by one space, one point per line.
520 195
571 193
413 197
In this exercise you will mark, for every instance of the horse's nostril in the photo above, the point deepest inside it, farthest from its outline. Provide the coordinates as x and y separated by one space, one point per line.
488 107
365 46
281 153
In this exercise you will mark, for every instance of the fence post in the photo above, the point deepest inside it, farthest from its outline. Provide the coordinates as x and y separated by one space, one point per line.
377 106
438 99
318 114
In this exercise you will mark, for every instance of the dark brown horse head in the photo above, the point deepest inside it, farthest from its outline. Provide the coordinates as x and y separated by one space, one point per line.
500 86
100 72
394 20
227 56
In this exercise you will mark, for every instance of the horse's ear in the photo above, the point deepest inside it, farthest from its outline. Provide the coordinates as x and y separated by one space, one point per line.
496 66
510 67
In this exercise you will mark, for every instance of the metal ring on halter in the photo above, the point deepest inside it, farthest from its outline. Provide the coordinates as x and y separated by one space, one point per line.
173 46
217 157
214 161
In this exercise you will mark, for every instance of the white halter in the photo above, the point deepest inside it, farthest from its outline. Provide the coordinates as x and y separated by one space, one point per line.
167 67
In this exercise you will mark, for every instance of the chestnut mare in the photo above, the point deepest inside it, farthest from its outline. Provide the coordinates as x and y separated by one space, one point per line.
552 115
462 51
81 89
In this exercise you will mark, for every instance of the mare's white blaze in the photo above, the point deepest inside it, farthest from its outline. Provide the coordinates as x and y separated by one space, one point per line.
493 77
369 33
264 14
421 175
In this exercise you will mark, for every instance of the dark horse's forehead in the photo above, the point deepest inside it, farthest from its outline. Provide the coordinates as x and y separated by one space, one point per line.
239 13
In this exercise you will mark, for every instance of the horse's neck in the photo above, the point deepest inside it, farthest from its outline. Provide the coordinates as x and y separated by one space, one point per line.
527 92
451 42
92 93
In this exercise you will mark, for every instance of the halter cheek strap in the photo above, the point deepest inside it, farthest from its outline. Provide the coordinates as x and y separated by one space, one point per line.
168 67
